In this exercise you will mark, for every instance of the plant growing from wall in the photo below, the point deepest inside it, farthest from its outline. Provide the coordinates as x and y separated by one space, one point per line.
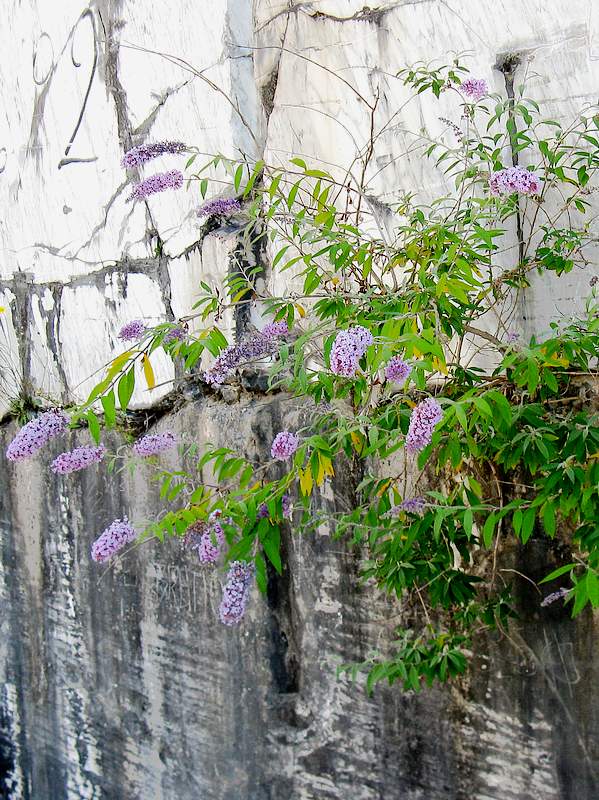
402 349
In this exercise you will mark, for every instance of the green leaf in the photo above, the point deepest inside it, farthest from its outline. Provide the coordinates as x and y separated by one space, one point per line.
489 529
125 388
108 404
272 544
94 426
557 572
549 519
528 523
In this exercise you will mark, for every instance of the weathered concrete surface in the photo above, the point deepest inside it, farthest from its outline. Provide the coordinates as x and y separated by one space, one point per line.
121 682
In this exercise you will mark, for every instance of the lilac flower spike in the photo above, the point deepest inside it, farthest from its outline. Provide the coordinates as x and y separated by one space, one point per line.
235 592
423 419
397 370
154 443
287 506
275 329
551 598
284 445
146 152
232 356
79 458
348 348
132 331
474 88
219 206
514 180
177 334
35 434
415 505
118 534
157 183
262 512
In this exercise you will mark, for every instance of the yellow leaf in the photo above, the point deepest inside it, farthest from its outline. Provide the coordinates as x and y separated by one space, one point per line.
2 309
306 481
148 372
358 442
334 280
383 488
300 310
325 467
439 365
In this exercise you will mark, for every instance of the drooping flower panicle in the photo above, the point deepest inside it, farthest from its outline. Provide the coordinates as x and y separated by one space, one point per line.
514 180
235 592
132 331
348 348
177 334
118 534
397 370
79 458
154 443
287 506
157 183
35 434
219 206
554 596
415 505
146 152
275 329
284 445
234 355
423 419
474 88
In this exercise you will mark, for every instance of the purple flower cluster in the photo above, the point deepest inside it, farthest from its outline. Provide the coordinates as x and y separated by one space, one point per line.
474 88
514 179
423 419
262 512
154 443
235 592
219 206
415 505
512 337
146 152
177 334
273 330
257 346
132 331
34 435
206 537
157 183
284 445
79 458
286 506
397 370
118 534
551 598
348 348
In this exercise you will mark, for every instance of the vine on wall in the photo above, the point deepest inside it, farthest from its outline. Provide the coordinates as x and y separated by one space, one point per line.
404 349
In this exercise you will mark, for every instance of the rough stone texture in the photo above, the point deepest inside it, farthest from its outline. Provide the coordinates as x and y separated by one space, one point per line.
120 683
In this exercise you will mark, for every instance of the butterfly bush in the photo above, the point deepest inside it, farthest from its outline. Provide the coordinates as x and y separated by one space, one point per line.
35 434
363 279
348 348
236 592
219 206
397 370
79 458
154 443
423 420
161 182
474 88
116 536
284 445
143 153
514 180
132 331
